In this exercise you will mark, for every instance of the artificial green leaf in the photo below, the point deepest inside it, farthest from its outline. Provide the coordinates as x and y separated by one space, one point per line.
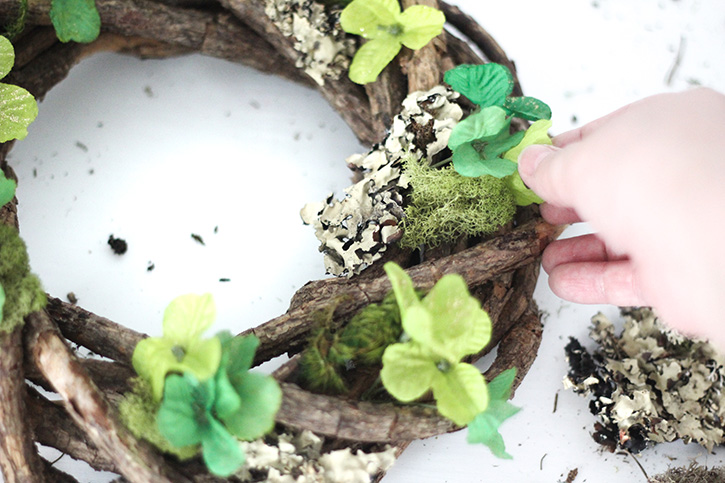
222 453
403 287
184 407
76 20
461 327
187 317
484 428
366 17
420 25
418 323
529 108
7 56
460 393
500 387
487 123
503 143
260 397
523 195
371 58
17 110
241 355
202 358
7 189
468 162
226 400
408 371
537 133
485 85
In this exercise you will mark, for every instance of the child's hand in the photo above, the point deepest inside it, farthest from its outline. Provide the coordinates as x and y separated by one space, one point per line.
650 179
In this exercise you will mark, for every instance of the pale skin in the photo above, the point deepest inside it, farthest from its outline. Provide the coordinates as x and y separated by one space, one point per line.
650 180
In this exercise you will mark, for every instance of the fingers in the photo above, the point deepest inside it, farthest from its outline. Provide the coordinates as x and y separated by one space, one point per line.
585 248
559 216
597 283
544 169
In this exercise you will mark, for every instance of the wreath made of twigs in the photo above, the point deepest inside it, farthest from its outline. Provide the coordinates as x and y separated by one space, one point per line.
501 270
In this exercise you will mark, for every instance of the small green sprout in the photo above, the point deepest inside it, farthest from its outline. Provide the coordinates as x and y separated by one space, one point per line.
444 327
484 428
181 348
76 20
387 29
17 106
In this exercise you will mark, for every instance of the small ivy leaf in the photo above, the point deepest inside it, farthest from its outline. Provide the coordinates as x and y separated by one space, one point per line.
408 371
485 85
240 351
460 393
496 147
371 58
366 17
420 25
187 317
7 56
485 124
221 451
17 110
7 189
529 108
403 287
76 20
260 398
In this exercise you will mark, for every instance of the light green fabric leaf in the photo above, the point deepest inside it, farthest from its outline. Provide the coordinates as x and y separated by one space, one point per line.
485 85
260 397
187 317
418 324
484 428
184 406
486 123
7 189
537 133
460 393
76 20
17 110
222 453
529 108
523 195
7 56
402 287
365 17
420 25
371 58
407 371
461 326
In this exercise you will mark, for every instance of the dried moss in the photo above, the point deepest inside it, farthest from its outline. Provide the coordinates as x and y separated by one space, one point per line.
23 292
693 474
445 205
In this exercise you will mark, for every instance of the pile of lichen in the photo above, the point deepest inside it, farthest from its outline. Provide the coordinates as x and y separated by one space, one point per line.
650 384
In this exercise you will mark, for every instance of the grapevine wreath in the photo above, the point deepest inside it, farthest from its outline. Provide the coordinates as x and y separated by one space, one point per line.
437 117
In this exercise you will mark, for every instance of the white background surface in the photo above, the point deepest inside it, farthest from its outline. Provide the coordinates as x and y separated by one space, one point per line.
153 151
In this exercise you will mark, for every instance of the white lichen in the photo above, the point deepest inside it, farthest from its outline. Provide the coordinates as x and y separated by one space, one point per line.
355 231
299 459
324 49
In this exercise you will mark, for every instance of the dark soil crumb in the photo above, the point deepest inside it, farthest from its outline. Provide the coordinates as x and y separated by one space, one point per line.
255 104
216 229
150 267
693 474
225 279
82 146
72 298
148 91
118 245
198 239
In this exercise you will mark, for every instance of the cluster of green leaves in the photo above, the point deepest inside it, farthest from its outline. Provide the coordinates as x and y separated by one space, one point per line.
208 396
482 143
76 20
442 328
386 29
21 291
444 205
17 106
360 343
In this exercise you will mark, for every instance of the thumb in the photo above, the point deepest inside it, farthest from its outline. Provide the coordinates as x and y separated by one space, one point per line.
540 169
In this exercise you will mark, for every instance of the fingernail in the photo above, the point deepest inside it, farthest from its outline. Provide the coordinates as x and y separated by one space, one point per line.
531 157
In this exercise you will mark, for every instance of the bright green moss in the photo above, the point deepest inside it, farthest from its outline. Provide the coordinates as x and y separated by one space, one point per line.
445 205
23 292
138 413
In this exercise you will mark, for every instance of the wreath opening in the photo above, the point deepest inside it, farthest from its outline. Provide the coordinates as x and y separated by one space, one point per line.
500 270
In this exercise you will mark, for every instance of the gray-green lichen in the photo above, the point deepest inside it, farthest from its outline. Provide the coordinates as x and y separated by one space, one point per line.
299 459
23 291
651 381
325 51
355 231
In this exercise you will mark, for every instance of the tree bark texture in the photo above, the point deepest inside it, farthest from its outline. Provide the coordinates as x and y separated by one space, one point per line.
501 271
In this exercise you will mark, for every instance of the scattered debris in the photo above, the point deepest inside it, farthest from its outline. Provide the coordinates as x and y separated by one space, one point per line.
150 267
255 104
225 279
676 63
148 91
82 146
649 384
118 245
198 239
72 298
572 475
692 474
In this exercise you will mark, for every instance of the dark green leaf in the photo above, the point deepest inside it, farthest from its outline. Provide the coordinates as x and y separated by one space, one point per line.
500 145
529 108
468 162
485 85
260 397
76 20
7 189
222 453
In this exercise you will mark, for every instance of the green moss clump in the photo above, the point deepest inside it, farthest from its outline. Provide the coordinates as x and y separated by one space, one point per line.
330 354
23 291
445 205
138 413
